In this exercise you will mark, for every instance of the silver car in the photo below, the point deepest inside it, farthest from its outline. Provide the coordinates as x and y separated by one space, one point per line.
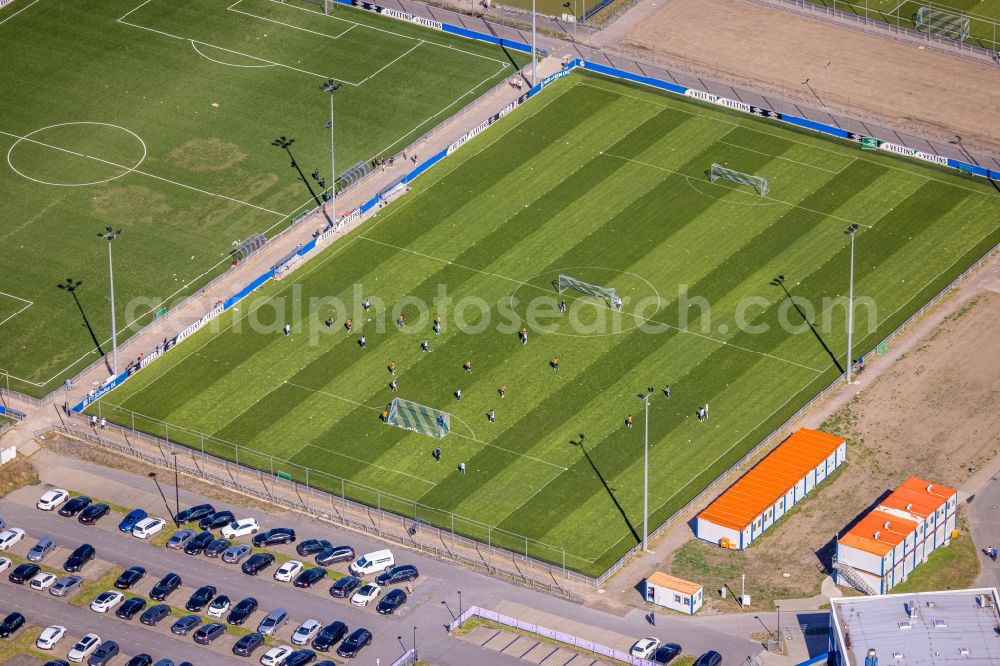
236 553
41 549
64 586
180 539
275 620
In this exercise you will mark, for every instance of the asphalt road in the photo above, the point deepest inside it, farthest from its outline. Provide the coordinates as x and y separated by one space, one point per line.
434 600
984 522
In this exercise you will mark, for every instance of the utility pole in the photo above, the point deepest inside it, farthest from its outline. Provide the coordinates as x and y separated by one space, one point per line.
850 231
645 473
534 78
109 234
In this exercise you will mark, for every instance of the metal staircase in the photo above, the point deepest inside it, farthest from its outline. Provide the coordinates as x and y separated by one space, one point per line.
850 574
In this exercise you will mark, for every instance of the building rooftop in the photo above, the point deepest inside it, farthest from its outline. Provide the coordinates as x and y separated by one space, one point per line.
878 533
947 628
673 583
919 497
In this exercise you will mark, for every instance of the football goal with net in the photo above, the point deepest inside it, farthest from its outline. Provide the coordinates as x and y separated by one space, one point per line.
758 183
606 293
419 418
943 23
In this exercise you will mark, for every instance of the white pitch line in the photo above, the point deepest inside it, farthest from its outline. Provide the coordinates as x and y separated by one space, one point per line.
287 25
16 298
143 173
194 45
573 298
18 12
777 157
363 462
391 63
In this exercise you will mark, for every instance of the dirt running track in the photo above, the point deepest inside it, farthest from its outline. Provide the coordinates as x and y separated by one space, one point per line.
920 91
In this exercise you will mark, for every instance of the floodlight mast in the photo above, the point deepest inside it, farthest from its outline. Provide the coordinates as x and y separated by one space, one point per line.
109 234
331 87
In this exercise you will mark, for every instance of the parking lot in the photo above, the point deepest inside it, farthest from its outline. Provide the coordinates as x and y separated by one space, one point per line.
433 600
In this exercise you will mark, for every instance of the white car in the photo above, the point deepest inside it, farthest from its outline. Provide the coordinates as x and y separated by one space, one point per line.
84 648
287 571
645 648
105 601
52 498
10 537
238 528
50 636
276 655
306 632
4 563
42 580
219 607
147 527
368 592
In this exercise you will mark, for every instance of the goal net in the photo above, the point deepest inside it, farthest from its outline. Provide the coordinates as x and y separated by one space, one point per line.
607 293
419 418
943 23
758 183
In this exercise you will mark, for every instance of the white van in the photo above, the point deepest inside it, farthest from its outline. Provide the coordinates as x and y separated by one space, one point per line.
147 527
369 563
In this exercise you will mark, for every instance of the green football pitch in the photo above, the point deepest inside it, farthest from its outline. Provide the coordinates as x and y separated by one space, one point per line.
604 182
158 117
984 15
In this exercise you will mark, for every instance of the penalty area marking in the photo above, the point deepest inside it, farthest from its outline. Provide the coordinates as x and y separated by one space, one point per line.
27 305
194 45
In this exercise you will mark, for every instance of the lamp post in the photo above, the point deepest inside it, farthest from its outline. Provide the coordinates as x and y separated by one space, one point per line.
177 487
414 641
152 475
826 82
331 87
645 472
460 609
850 231
534 52
109 234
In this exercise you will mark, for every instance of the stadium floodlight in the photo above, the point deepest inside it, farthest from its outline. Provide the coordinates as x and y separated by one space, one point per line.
331 87
606 293
109 234
645 471
759 183
850 231
419 418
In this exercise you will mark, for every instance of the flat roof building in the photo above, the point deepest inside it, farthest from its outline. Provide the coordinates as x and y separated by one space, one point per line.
919 629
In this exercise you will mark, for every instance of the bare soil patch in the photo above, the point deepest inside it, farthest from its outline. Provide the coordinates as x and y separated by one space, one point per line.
207 155
769 50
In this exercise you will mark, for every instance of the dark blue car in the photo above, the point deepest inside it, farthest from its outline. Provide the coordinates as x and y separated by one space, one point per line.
129 521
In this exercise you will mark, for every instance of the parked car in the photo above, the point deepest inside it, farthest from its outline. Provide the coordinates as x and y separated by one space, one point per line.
329 636
180 539
305 632
131 519
154 614
5 563
22 573
274 621
141 659
257 563
107 651
62 662
219 607
241 611
50 636
66 585
50 499
644 648
165 587
79 558
217 520
368 592
147 527
195 513
184 625
199 543
345 587
300 658
239 528
130 607
276 655
310 577
10 624
274 537
334 554
84 647
354 643
288 571
236 553
43 580
370 563
208 633
105 601
41 549
665 653
397 575
201 597
75 506
10 538
92 514
130 577
312 546
247 644
217 547
710 658
391 602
